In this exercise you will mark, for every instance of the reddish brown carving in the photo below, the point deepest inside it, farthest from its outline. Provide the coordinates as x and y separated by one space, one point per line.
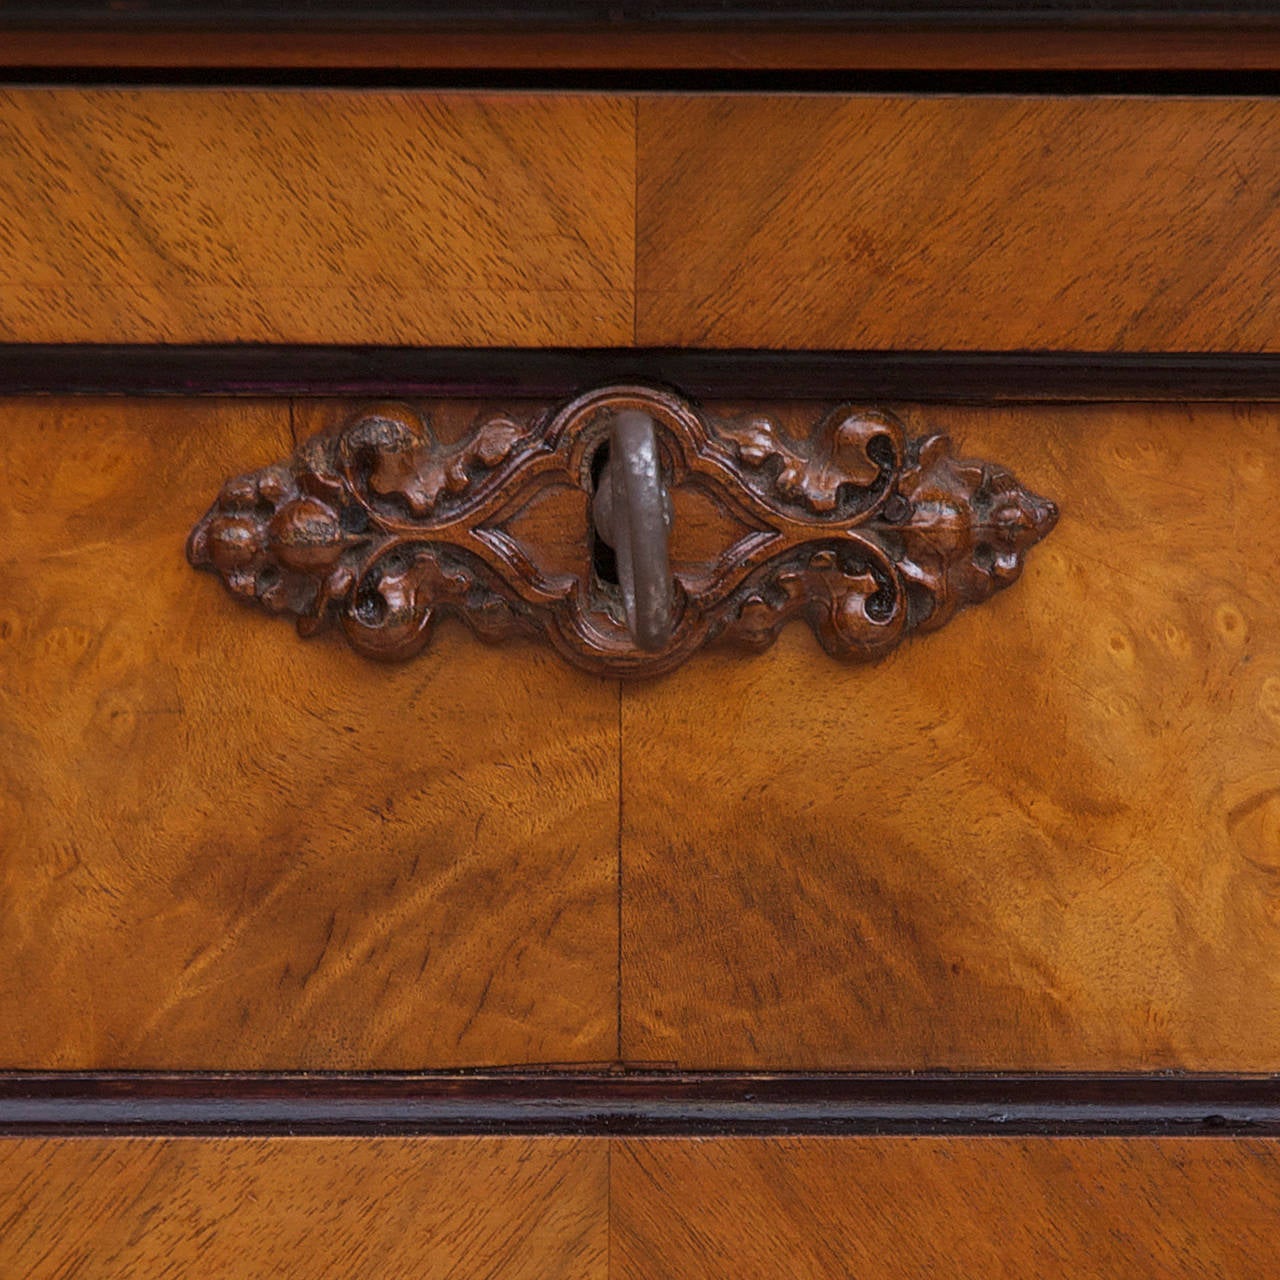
863 532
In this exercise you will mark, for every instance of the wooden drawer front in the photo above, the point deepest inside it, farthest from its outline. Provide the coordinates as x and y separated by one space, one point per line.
871 222
115 1209
224 847
961 223
319 216
1045 837
1042 838
639 1209
902 1208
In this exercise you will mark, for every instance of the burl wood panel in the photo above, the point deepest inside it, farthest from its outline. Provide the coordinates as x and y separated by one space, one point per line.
901 1208
326 216
114 1209
969 223
223 848
1046 837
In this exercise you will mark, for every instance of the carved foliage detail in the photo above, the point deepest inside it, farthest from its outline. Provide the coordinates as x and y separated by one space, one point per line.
379 527
944 533
852 451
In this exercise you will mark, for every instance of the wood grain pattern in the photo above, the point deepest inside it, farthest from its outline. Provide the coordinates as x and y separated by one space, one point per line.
883 1207
220 848
813 1207
899 1208
114 1209
326 216
968 223
1047 837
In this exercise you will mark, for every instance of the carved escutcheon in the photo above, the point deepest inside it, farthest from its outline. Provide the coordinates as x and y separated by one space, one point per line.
863 532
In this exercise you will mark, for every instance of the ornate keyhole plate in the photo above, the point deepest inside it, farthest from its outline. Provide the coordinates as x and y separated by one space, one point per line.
863 532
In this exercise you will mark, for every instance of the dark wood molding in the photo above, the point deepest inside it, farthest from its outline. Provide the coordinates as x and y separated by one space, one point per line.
1034 35
445 15
653 1103
1259 78
938 377
1147 58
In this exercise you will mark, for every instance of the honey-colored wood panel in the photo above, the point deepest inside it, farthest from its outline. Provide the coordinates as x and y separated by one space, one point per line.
119 1208
321 216
224 846
898 1208
932 223
1047 836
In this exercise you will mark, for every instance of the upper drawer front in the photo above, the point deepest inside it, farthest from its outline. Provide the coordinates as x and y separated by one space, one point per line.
464 219
959 223
357 217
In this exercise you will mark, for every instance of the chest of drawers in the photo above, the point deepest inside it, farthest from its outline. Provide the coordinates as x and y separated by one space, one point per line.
540 956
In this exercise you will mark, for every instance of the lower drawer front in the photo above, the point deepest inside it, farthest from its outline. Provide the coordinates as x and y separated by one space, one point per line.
642 1209
908 1208
223 847
1043 837
115 1209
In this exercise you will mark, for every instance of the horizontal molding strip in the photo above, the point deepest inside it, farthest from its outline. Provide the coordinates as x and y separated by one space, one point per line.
965 377
444 15
1257 80
637 1103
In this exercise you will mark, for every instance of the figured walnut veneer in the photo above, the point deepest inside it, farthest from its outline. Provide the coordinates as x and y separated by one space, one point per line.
220 849
1047 839
306 1208
917 1208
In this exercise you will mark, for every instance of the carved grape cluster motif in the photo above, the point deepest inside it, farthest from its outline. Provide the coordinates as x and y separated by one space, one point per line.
379 527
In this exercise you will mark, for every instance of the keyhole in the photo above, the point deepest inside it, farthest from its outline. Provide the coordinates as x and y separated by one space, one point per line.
604 562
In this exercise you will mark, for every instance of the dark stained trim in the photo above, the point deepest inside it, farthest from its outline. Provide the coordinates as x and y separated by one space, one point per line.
979 377
1185 82
637 1103
1129 58
446 15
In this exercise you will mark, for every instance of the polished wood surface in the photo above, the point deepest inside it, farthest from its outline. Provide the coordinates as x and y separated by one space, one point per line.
116 1209
966 223
164 215
643 1208
468 218
1043 838
901 1208
362 374
1064 865
222 847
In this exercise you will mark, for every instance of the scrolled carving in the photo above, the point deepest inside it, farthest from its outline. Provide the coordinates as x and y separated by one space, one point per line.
380 528
853 452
